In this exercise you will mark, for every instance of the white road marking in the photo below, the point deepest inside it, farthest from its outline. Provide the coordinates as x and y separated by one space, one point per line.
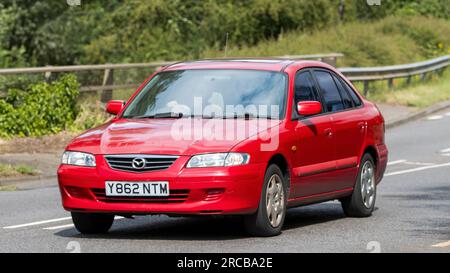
443 244
443 151
59 227
445 154
418 163
436 117
418 169
38 223
72 225
396 162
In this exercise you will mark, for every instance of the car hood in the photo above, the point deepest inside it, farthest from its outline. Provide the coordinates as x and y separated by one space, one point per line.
168 136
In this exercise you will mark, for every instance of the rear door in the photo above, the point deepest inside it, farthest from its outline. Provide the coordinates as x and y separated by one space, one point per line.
351 128
348 129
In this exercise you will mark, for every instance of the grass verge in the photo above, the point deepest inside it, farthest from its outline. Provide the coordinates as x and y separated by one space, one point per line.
7 170
8 188
421 94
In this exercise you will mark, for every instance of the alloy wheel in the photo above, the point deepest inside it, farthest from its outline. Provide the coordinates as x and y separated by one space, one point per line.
275 200
368 184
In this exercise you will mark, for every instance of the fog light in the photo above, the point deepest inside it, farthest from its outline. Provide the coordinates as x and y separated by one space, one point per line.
213 194
78 192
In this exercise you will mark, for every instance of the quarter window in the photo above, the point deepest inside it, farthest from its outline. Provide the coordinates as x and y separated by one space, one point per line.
346 100
330 93
355 98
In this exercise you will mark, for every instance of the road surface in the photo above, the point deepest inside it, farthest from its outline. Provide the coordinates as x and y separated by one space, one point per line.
412 214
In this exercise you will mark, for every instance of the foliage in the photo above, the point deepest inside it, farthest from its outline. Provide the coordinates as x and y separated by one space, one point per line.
43 108
392 40
37 33
9 55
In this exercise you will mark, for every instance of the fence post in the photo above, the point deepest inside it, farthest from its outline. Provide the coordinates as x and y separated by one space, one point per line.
390 84
329 60
366 88
408 80
108 79
47 75
423 76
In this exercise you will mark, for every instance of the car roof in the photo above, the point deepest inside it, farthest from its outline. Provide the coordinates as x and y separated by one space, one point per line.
242 63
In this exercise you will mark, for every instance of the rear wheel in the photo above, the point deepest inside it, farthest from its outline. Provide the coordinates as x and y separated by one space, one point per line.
91 223
362 202
269 218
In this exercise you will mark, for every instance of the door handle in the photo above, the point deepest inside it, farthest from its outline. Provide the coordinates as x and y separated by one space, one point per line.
328 132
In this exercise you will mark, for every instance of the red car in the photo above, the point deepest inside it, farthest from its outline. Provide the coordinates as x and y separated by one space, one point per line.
228 137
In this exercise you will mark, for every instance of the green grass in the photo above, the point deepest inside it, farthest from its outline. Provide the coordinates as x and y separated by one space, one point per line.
91 114
7 170
8 188
393 40
419 94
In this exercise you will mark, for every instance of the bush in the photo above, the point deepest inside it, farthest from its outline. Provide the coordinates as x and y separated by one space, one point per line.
41 109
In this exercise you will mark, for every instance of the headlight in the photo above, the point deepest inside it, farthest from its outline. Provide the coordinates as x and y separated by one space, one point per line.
218 160
78 159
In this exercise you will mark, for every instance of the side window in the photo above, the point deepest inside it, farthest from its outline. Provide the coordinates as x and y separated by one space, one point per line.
346 100
304 87
329 91
355 98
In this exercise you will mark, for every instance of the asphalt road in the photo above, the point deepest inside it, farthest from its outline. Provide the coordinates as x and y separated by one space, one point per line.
412 215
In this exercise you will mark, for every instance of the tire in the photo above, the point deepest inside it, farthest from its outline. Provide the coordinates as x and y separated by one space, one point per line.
92 223
261 224
362 201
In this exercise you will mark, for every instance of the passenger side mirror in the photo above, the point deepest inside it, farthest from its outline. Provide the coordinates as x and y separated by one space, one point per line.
114 107
309 108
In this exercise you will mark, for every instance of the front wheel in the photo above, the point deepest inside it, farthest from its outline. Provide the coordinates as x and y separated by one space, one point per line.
269 218
362 202
92 223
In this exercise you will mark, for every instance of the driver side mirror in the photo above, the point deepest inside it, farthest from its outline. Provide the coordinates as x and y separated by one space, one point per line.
309 108
114 107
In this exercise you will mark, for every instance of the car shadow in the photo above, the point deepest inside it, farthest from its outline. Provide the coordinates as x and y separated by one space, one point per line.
312 215
205 228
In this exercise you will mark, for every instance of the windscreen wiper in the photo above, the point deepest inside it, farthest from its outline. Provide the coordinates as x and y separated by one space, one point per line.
247 116
160 115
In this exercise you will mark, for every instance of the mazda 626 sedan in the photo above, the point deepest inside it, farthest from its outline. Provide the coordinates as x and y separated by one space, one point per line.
245 137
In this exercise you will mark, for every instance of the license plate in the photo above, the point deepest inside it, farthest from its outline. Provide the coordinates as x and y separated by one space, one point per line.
148 188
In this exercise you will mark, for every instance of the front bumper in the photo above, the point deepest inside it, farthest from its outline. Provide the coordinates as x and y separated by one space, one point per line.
196 191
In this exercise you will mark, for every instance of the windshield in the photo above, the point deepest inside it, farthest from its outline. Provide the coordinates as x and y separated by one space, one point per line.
211 94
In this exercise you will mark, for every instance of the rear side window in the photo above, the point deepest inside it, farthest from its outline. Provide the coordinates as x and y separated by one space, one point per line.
355 98
346 100
330 93
304 87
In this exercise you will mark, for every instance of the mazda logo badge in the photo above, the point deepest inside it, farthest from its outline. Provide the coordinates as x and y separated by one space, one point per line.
138 163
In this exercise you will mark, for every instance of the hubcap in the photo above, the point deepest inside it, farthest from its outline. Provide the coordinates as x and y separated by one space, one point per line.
275 200
368 184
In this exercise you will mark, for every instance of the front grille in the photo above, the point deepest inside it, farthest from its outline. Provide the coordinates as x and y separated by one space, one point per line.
151 162
175 196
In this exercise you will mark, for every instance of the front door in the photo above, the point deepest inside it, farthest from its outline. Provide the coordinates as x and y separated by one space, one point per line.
314 158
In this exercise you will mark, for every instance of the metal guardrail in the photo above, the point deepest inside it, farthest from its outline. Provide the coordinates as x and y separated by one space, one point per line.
361 74
389 73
